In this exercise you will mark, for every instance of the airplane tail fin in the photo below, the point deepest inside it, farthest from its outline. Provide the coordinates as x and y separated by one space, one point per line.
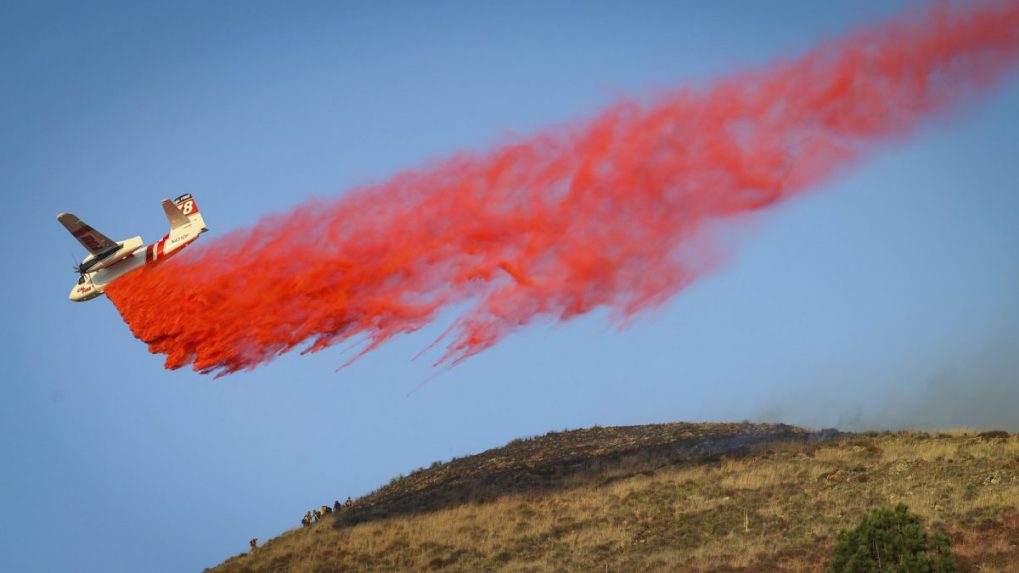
174 215
186 206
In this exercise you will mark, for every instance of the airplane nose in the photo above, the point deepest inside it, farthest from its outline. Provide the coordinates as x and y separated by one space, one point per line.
78 296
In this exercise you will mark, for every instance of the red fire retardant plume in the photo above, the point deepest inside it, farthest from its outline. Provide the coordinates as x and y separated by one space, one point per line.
605 212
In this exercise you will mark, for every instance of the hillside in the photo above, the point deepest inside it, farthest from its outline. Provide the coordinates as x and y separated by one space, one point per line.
690 497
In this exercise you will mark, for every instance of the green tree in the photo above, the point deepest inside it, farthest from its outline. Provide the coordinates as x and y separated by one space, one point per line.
891 541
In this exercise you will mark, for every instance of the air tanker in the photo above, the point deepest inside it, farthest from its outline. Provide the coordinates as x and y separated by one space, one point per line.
108 260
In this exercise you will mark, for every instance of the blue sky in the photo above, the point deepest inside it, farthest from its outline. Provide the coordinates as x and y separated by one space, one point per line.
885 298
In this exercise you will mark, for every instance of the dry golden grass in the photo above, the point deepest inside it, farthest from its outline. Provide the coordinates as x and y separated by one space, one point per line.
776 508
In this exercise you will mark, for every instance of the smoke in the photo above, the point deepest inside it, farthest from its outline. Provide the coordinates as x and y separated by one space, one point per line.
973 390
965 385
606 212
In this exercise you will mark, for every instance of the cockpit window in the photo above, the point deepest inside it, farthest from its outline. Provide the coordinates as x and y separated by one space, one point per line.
81 280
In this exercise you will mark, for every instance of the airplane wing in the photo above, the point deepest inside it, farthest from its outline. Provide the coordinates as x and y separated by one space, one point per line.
96 242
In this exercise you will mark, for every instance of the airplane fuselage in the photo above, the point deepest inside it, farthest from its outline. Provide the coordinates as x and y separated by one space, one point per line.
95 282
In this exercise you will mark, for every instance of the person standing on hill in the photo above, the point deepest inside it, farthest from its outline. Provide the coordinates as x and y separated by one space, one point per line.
336 506
306 520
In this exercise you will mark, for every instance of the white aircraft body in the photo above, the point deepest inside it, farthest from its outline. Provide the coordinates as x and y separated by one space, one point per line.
109 260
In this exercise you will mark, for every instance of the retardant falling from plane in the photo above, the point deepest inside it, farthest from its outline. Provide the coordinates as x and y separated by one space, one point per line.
603 213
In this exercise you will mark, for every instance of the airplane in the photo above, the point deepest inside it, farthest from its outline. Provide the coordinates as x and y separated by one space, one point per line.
108 261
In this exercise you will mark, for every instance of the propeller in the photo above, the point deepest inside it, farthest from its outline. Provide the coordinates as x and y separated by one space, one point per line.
80 269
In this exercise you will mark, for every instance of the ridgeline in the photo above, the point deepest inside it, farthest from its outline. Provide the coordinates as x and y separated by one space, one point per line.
669 497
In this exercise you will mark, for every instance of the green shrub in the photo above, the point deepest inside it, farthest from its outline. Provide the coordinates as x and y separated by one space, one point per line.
891 541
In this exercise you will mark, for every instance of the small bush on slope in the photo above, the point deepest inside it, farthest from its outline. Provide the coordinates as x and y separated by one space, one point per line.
891 541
